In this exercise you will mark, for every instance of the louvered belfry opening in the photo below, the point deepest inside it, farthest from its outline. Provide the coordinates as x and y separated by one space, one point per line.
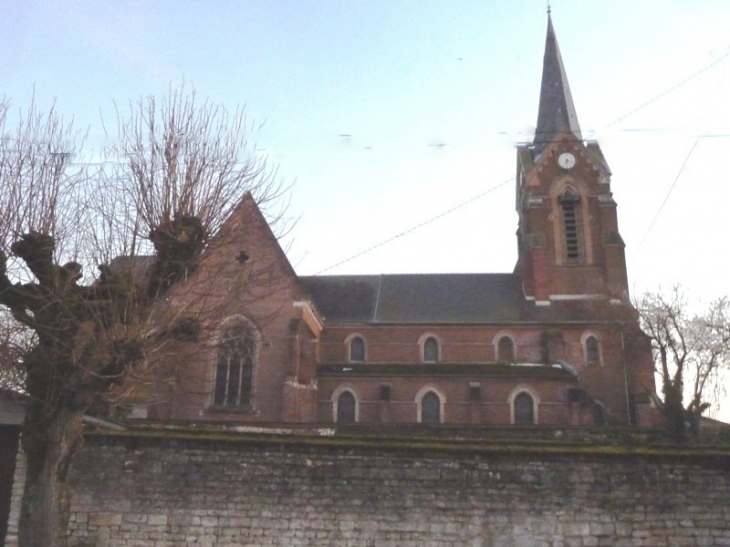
570 205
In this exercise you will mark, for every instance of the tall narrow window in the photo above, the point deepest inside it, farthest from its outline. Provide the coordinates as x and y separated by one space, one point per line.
599 415
524 409
431 408
505 350
593 353
346 407
570 204
357 349
234 366
430 350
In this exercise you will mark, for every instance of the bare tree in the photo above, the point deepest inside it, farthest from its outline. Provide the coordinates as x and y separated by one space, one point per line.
692 353
180 168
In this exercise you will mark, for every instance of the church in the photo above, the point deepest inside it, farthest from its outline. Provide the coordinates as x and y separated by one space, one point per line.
554 343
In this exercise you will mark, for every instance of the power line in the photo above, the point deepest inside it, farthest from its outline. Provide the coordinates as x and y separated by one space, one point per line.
619 119
424 223
670 89
671 189
666 198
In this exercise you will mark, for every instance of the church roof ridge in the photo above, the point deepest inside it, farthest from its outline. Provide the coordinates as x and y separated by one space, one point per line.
403 275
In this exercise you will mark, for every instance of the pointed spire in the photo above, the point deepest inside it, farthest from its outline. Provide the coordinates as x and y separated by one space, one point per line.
557 112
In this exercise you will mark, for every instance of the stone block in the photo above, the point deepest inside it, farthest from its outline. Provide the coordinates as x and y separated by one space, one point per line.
157 520
105 519
580 529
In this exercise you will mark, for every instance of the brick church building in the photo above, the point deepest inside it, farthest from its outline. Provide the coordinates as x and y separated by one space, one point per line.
556 342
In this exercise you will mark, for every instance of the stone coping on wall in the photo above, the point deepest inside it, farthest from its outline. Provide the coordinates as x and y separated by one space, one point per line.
608 441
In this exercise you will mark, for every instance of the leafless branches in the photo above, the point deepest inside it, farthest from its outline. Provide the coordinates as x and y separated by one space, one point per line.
15 342
69 341
692 353
183 168
40 192
182 157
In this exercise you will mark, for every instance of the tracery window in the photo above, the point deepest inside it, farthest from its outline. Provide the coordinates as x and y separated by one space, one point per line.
234 366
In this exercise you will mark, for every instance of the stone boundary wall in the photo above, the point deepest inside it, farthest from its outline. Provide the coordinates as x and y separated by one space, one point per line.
144 491
16 496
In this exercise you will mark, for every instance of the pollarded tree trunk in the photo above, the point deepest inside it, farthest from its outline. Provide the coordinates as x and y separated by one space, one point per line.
49 444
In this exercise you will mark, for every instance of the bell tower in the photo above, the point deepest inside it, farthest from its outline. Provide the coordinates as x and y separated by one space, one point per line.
569 246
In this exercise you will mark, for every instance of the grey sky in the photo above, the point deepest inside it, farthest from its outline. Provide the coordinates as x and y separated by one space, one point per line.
403 78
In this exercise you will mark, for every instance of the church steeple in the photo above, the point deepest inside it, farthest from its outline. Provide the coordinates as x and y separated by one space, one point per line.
557 111
569 247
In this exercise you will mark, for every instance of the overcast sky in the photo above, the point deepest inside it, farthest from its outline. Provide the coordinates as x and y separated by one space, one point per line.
387 114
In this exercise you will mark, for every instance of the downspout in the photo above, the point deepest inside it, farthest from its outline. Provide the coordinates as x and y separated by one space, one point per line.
629 418
377 298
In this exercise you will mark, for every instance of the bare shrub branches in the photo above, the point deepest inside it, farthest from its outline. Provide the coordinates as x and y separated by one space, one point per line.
692 354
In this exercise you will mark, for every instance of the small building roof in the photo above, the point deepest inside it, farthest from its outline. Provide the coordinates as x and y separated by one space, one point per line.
12 407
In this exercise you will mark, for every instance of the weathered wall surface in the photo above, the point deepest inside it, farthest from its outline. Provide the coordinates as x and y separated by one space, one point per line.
136 492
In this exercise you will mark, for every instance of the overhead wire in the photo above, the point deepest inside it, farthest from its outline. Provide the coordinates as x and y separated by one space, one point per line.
643 105
422 224
666 198
694 145
640 107
670 89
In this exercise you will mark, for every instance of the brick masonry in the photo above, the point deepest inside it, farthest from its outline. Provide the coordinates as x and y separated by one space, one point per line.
134 492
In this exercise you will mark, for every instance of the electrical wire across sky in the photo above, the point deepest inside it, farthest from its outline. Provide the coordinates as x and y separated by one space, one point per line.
621 118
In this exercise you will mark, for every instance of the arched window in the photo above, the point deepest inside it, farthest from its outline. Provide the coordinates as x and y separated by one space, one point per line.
593 351
599 414
431 408
569 201
235 359
523 409
505 350
357 349
346 406
431 350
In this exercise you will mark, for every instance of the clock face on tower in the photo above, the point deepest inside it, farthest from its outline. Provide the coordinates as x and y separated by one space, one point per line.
566 160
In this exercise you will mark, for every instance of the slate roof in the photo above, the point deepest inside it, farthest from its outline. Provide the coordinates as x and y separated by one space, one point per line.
556 113
443 299
417 298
